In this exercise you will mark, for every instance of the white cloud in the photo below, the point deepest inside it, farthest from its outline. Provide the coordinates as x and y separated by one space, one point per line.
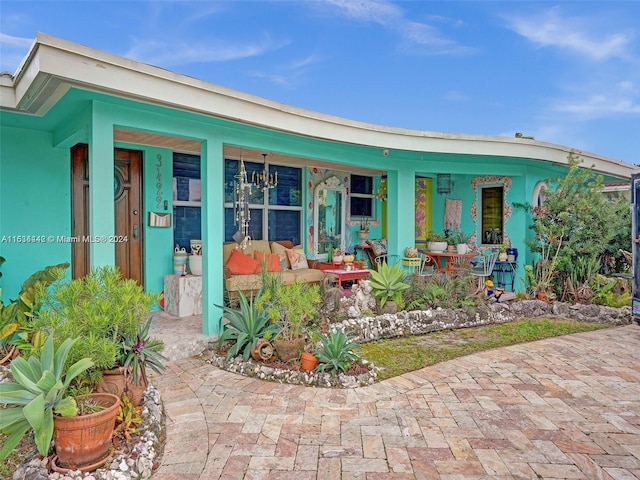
12 51
417 37
456 96
601 105
381 12
577 35
172 52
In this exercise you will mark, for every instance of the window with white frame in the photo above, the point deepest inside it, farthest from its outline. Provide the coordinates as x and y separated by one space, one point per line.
361 196
274 216
539 194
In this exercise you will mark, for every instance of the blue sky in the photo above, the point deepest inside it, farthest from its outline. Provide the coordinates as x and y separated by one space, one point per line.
563 72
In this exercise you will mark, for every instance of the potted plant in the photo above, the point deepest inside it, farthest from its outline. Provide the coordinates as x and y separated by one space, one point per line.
387 286
337 256
141 352
502 252
363 233
461 242
451 243
436 242
101 309
40 395
293 309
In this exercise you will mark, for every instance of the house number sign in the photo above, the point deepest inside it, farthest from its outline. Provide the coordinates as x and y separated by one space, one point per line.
159 182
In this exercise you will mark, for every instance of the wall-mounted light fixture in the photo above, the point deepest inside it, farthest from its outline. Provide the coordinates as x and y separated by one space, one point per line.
444 183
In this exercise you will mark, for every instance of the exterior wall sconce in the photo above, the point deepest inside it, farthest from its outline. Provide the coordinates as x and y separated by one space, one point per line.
444 183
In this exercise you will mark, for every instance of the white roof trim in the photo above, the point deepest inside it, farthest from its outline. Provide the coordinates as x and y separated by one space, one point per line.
53 65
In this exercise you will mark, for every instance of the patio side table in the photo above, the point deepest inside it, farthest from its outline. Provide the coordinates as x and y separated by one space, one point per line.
345 275
505 274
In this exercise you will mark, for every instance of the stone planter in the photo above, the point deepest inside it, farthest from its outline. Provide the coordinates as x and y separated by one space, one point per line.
288 350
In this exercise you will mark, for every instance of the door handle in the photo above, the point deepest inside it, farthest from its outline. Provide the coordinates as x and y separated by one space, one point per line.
135 231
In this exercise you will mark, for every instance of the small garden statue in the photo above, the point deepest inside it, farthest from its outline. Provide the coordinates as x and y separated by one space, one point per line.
363 299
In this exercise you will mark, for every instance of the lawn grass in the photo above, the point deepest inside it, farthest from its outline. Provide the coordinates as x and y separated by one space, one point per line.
396 356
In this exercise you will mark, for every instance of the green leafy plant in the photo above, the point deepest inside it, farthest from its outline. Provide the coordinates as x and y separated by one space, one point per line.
39 391
336 353
441 290
128 420
462 237
16 317
101 309
246 326
576 220
387 284
294 308
141 352
435 237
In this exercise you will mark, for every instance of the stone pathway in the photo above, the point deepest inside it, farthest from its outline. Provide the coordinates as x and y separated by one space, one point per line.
567 407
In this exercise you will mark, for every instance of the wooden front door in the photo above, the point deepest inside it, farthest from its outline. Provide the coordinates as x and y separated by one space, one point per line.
128 211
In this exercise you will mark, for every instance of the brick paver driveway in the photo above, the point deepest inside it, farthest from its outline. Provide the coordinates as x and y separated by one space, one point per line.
567 407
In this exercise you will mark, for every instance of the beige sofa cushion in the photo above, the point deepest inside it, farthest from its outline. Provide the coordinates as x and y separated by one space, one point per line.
254 282
308 275
282 251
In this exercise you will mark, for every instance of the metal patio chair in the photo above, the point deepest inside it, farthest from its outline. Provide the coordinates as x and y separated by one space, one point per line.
482 267
389 259
427 265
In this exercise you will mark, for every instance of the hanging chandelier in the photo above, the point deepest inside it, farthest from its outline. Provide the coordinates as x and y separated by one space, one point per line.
263 180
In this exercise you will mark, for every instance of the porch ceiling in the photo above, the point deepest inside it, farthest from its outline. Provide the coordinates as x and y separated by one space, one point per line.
185 145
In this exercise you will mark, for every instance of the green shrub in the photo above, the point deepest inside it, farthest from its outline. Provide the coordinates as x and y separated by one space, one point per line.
99 309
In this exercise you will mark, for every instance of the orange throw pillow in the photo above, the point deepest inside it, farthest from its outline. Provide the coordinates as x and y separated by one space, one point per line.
241 264
272 260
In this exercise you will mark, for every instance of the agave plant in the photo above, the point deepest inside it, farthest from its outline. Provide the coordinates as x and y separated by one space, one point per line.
337 352
39 391
246 326
387 283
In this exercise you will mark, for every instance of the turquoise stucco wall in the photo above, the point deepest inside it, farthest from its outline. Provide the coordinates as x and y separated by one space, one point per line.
34 202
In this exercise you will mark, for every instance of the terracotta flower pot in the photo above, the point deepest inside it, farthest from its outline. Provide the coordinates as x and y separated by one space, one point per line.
263 351
84 442
112 381
117 381
308 361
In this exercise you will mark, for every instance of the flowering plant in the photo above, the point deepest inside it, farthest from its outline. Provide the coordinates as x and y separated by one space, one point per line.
364 224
